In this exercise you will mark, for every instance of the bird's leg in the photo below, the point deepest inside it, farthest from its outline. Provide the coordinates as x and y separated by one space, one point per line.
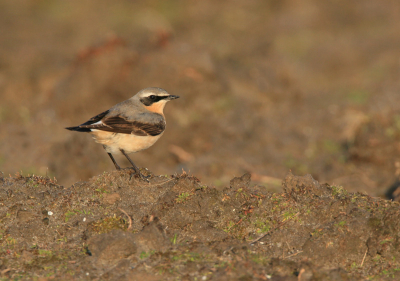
115 163
137 171
112 158
130 160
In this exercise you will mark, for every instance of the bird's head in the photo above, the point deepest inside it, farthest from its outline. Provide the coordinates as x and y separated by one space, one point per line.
154 99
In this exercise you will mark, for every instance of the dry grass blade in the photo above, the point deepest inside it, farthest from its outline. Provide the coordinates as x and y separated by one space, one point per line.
129 218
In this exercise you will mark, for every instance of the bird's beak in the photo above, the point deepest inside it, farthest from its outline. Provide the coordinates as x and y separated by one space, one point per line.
172 97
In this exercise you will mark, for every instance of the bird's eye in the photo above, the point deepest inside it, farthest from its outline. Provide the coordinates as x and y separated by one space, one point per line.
153 97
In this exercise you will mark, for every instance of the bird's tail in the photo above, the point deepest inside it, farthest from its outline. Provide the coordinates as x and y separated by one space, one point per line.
78 129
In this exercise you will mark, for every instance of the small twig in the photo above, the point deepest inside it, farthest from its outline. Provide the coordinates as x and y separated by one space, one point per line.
295 254
6 270
238 222
265 234
364 257
301 272
147 186
130 220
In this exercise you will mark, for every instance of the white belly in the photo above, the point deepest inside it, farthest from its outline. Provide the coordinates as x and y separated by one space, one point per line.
113 142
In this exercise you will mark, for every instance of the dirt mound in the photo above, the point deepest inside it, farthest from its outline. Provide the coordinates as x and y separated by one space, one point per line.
118 227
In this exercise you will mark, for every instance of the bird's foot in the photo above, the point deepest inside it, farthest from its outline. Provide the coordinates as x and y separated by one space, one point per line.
137 173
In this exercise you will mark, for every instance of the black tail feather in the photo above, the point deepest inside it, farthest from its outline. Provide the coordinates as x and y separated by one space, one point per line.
78 129
92 120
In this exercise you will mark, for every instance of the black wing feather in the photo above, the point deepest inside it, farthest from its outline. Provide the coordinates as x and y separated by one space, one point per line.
120 125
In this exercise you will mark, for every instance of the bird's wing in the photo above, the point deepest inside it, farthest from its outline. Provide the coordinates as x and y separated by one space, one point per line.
95 119
120 124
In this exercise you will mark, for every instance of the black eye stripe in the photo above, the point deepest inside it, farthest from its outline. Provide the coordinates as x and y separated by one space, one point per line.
149 100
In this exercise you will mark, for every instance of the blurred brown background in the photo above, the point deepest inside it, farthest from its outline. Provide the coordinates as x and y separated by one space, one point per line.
266 86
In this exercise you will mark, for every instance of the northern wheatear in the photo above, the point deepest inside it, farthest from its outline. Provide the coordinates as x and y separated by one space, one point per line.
130 126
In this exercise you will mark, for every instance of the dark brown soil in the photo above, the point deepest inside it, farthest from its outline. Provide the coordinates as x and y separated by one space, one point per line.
115 227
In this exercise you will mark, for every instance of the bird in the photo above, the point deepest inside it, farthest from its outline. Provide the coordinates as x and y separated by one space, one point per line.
130 126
